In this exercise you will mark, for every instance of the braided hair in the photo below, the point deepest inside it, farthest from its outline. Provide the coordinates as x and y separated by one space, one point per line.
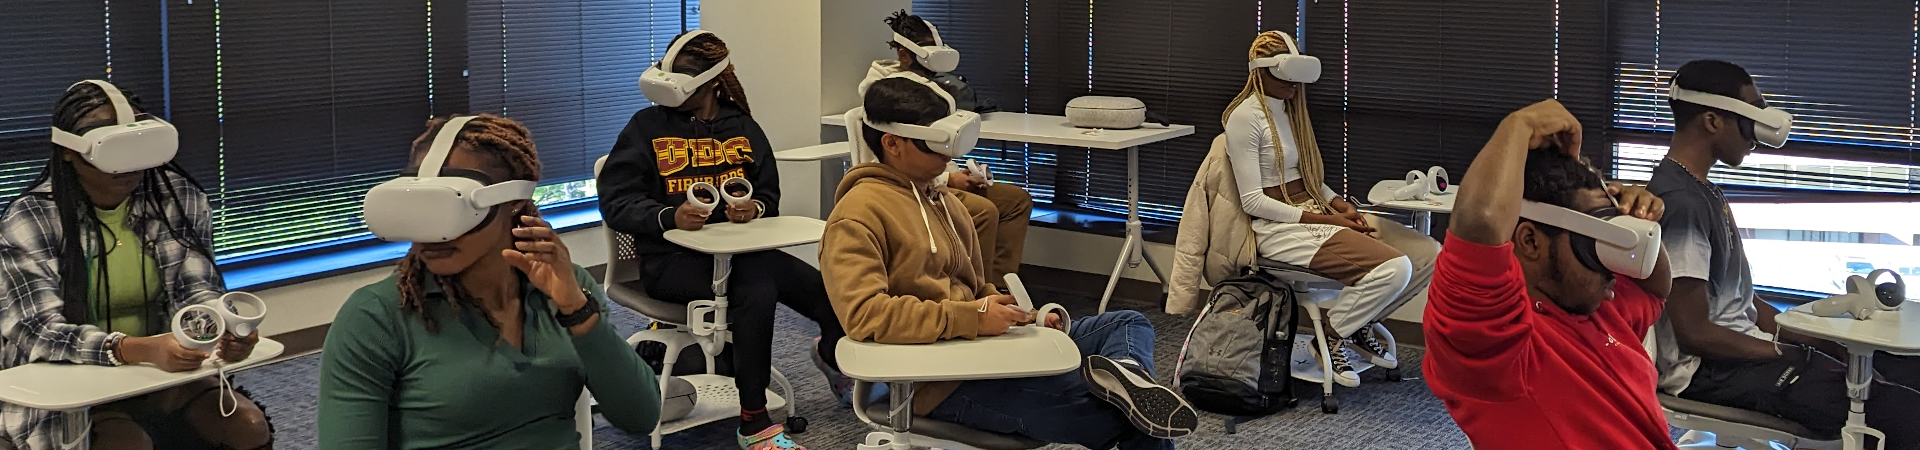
911 27
510 146
149 202
707 50
1312 169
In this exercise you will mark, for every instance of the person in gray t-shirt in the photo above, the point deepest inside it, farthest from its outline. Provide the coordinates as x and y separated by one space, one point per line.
1717 342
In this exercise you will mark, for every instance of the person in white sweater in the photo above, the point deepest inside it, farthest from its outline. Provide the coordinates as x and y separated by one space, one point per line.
999 210
1299 220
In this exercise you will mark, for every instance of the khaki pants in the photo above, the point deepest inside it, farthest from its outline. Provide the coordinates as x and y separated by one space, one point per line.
1000 214
1382 271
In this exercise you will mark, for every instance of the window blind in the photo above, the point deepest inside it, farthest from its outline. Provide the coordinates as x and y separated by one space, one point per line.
66 42
1844 69
569 70
996 40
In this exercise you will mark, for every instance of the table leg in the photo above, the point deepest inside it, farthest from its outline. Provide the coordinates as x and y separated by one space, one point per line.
1859 385
1423 221
74 430
716 333
900 414
1134 248
831 171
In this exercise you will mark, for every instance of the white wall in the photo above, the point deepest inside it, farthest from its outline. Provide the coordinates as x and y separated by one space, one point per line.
800 59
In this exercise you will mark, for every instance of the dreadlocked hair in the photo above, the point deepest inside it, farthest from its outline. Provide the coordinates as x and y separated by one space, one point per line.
911 27
1312 169
153 200
510 146
707 50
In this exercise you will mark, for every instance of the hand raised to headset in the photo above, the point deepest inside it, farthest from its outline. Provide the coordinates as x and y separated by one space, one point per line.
1544 123
538 252
1636 201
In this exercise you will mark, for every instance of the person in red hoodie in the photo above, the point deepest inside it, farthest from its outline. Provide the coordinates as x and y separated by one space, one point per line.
1528 343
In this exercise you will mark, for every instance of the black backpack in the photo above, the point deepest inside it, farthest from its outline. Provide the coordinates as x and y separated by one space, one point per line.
1236 359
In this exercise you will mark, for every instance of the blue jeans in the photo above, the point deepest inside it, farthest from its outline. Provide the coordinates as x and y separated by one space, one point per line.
1058 408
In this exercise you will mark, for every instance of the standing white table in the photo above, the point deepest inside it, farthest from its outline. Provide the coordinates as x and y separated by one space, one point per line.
1895 332
832 158
1422 209
73 388
1054 130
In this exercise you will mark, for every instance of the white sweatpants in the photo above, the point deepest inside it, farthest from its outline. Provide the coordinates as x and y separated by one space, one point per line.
1379 275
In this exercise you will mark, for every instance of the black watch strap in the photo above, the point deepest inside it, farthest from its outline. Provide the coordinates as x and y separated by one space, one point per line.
580 316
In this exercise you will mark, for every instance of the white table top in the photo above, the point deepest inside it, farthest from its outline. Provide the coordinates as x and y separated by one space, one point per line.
1884 331
62 387
1053 130
828 150
1025 351
765 233
1438 203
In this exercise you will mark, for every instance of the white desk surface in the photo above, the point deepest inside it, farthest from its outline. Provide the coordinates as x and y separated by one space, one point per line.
62 387
1025 351
765 233
1438 203
828 150
1053 130
1884 331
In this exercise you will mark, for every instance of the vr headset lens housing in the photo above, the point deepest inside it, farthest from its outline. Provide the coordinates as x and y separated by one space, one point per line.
1290 66
1604 240
1769 126
133 143
432 207
937 57
953 135
661 85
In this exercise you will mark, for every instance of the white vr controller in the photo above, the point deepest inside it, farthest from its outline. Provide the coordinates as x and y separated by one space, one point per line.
200 326
979 172
717 194
1025 305
1863 297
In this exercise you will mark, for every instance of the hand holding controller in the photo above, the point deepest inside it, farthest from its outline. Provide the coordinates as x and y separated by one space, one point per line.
1024 303
979 173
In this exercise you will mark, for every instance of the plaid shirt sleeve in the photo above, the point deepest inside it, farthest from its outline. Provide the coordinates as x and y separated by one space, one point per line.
30 317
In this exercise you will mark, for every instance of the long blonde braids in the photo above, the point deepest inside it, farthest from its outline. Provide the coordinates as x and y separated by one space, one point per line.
1312 169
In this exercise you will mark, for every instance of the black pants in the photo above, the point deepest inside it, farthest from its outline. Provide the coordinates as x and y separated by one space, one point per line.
1813 392
759 280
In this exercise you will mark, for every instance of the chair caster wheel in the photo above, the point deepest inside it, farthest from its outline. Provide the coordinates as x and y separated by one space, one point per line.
796 425
1394 375
1330 405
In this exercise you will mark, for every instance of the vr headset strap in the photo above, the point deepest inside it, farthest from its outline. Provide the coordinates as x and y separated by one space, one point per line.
1576 222
673 53
442 146
1728 104
502 192
122 111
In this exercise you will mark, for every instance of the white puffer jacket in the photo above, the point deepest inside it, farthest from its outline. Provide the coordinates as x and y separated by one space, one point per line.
1216 236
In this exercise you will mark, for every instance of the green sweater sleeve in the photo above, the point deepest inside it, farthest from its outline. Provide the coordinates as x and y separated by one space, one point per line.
357 367
628 390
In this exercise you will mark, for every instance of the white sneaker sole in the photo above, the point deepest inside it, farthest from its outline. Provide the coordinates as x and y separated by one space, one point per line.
1154 409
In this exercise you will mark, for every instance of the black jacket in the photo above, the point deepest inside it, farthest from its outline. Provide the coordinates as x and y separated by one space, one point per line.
662 151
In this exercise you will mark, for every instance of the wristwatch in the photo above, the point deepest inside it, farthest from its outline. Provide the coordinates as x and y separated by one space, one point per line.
579 316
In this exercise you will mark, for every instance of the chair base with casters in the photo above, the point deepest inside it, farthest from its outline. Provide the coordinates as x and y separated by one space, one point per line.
1045 351
1715 426
1310 289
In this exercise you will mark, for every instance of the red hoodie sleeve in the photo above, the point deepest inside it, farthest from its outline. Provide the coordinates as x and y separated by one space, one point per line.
1476 310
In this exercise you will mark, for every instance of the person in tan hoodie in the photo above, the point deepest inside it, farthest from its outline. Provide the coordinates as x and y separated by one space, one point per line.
903 266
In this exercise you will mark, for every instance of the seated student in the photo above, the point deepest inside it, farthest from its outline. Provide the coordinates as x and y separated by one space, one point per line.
1000 211
1299 220
712 137
1717 340
483 341
901 270
146 231
1529 343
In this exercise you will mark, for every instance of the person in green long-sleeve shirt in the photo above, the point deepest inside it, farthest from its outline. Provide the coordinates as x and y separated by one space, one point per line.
484 341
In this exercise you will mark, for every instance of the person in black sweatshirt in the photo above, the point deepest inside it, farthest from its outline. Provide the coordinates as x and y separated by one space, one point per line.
643 192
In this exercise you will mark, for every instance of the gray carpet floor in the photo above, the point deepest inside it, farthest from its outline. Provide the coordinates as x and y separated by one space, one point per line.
1378 415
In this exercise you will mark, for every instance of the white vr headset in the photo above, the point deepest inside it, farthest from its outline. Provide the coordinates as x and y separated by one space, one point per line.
661 85
131 144
1770 125
937 57
1290 66
428 207
1605 241
953 135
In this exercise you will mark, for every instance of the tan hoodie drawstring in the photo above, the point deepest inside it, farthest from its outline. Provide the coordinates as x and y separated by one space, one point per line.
952 228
